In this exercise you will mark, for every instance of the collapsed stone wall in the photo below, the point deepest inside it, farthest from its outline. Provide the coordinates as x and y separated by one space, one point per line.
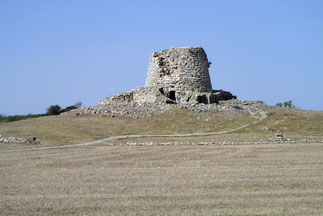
145 95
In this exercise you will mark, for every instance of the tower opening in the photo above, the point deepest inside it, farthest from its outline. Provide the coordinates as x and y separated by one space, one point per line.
172 95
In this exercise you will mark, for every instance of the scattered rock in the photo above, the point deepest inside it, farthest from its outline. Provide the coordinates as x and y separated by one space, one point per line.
30 140
279 137
196 143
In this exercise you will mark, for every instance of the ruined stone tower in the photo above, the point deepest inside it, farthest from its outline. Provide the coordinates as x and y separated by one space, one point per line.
179 72
179 69
175 76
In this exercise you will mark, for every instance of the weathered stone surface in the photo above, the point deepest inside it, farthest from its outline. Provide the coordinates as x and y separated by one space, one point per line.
179 69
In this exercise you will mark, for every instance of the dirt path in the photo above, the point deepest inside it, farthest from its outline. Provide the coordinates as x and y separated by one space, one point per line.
259 115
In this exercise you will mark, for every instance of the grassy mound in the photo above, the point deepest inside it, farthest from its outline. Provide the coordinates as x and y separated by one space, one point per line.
70 128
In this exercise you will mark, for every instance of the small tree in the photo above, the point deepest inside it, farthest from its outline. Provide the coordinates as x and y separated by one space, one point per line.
53 110
279 104
289 104
78 105
286 104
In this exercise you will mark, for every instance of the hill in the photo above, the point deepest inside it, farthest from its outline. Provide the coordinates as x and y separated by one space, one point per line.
76 171
70 128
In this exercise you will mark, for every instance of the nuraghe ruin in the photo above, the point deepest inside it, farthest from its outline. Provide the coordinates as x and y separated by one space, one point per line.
177 77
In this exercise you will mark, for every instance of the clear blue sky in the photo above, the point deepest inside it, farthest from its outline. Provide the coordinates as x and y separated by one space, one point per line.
61 52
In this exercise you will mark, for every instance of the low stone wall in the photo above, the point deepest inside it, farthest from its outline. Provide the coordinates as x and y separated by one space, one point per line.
30 140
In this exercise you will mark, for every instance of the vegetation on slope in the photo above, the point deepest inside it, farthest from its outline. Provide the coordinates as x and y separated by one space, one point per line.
51 110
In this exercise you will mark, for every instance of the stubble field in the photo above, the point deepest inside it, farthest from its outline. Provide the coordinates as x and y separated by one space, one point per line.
280 179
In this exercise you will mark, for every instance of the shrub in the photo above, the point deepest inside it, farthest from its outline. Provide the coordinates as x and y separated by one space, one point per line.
279 104
53 110
69 108
289 104
286 104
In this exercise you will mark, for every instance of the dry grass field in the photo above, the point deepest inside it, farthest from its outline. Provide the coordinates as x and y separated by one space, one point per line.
276 179
265 179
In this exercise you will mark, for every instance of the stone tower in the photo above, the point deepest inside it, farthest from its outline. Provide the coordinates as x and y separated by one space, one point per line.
177 71
175 76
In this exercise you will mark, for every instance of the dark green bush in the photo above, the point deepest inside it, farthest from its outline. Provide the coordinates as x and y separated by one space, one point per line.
54 110
69 108
289 104
286 104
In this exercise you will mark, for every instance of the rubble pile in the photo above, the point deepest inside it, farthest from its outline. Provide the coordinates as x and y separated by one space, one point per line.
279 137
145 109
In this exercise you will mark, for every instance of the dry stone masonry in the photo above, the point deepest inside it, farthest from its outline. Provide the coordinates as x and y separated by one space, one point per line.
178 73
176 76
